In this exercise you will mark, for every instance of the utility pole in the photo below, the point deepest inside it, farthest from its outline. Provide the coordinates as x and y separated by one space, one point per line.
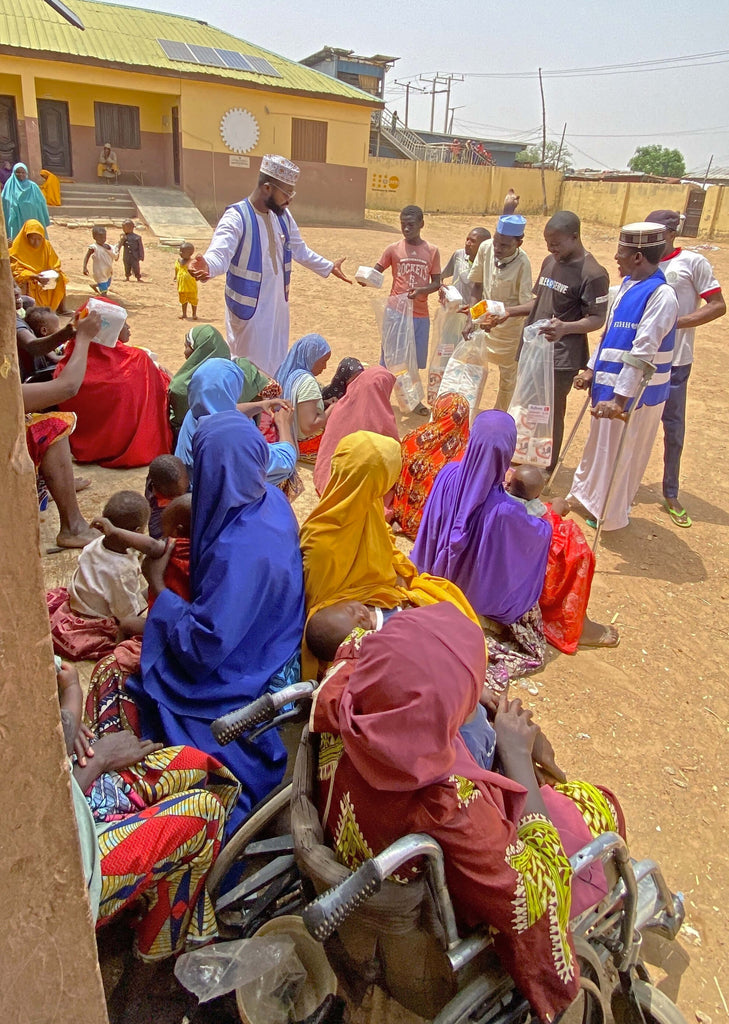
708 168
434 82
544 145
561 143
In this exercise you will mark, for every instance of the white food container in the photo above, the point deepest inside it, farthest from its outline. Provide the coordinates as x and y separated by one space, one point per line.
369 276
49 279
113 319
452 297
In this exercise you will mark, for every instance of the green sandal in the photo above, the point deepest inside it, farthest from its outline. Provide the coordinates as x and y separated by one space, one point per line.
680 518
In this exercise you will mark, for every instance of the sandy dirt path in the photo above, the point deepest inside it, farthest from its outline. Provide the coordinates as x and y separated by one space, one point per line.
649 719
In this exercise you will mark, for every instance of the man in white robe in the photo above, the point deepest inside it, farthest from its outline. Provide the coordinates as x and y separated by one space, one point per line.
615 374
264 336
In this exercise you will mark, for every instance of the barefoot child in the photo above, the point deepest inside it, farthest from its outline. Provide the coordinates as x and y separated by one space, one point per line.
132 246
186 283
167 479
107 593
102 256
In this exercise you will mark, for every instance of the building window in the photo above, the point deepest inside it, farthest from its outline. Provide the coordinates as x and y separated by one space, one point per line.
118 125
308 140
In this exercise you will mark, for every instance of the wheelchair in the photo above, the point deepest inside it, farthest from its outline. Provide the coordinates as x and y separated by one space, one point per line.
404 938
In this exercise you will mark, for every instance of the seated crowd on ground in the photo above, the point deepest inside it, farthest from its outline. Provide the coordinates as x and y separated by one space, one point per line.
204 593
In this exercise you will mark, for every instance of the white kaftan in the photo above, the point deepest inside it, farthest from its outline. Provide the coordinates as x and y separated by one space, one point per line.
264 339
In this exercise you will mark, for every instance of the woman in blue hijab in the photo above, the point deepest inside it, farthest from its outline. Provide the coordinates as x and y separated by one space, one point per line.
22 201
297 374
215 387
241 633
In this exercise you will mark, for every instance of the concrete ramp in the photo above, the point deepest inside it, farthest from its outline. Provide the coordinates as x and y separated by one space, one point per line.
170 213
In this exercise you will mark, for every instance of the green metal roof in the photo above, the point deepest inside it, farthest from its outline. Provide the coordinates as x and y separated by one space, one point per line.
127 38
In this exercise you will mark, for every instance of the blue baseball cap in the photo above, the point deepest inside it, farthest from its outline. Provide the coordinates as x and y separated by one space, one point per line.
511 224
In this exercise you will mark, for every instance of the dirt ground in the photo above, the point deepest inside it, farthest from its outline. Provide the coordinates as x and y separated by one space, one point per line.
649 719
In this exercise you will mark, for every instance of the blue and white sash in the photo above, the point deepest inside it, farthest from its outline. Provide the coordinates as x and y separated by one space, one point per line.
243 279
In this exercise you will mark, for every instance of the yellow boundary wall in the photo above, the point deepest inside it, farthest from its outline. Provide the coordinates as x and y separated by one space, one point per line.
467 189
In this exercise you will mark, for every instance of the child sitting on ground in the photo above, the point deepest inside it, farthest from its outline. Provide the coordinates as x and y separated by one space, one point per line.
525 484
107 594
186 283
167 479
132 246
329 628
102 256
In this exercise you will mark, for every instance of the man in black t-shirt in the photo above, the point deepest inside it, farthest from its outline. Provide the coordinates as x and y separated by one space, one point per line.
571 291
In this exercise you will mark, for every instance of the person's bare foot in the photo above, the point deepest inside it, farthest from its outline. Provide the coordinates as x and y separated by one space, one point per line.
77 538
195 317
182 317
81 483
594 634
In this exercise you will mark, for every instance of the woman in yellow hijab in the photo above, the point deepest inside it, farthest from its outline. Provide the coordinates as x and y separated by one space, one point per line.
51 188
31 255
349 551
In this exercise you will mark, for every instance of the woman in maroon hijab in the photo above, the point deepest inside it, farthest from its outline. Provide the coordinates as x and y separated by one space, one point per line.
392 761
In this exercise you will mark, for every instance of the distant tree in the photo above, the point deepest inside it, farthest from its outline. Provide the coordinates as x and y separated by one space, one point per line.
533 155
658 160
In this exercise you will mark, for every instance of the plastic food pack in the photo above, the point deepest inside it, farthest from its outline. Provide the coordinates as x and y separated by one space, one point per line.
452 298
113 318
467 370
487 307
266 968
370 277
532 406
398 350
446 333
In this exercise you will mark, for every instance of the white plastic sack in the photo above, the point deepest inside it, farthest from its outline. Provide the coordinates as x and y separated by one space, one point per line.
446 332
267 968
467 370
398 349
532 406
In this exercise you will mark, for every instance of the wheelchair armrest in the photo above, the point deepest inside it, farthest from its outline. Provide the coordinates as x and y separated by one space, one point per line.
262 711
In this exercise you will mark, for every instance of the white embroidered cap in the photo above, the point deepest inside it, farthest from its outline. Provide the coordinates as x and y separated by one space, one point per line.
642 233
280 168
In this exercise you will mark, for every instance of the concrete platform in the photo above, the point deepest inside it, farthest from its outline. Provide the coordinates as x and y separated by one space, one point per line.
170 213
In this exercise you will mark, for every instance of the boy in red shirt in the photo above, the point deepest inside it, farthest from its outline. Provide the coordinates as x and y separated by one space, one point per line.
416 272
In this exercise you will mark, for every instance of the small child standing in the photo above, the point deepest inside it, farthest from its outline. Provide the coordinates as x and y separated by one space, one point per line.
167 479
133 248
186 283
102 256
107 594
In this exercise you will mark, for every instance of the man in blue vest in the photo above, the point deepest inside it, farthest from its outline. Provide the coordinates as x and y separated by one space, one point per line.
639 339
253 245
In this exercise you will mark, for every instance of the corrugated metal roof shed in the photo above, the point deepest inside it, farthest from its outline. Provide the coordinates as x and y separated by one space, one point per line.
128 38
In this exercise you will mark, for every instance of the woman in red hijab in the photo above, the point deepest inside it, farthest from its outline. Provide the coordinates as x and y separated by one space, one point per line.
121 407
365 406
392 761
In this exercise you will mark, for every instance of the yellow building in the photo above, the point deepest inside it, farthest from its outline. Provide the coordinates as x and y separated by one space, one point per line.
182 104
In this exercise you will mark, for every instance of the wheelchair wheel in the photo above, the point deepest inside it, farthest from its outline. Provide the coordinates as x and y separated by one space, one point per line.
656 1006
588 1007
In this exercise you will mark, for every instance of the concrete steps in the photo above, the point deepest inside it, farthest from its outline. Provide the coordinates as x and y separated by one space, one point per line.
100 204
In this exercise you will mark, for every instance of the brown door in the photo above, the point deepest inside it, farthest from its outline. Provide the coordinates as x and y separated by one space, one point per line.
693 211
8 131
55 136
176 144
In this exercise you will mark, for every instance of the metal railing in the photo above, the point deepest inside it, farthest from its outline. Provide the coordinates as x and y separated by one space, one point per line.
410 144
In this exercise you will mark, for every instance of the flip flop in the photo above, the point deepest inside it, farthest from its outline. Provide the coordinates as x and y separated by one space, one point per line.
592 523
606 633
680 518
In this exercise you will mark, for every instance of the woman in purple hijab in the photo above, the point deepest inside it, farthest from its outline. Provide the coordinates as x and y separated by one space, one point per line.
479 537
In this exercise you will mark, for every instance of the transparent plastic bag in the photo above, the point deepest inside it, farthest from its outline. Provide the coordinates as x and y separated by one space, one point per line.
267 969
446 333
532 406
395 317
467 370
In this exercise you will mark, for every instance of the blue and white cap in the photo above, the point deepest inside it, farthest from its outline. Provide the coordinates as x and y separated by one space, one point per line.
511 224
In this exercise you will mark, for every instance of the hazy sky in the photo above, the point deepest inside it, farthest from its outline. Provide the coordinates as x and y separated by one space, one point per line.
607 116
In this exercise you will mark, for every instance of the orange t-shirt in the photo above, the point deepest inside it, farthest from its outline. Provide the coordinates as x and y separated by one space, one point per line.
412 267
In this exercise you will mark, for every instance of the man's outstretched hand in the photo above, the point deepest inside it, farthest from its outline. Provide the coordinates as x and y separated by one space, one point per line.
199 268
338 272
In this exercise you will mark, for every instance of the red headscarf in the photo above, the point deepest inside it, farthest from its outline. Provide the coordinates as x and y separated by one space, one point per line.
365 406
425 451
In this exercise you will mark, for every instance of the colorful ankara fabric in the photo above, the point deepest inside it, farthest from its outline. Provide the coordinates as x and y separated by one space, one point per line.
349 550
366 406
244 623
425 451
42 429
392 761
108 706
477 535
161 854
567 583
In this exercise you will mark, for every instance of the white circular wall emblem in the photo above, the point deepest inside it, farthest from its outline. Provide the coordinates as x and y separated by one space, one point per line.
239 130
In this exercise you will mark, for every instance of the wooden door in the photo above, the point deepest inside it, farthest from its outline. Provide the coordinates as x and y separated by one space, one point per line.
55 136
8 131
176 144
693 211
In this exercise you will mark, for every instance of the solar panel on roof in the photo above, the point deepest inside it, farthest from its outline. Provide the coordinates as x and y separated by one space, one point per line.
236 61
262 66
177 51
207 55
